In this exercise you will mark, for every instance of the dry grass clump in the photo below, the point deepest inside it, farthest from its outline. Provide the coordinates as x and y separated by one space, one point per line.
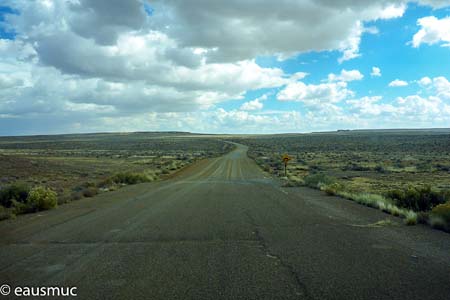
378 202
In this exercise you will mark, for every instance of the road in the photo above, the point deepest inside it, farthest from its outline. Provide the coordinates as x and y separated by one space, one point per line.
222 229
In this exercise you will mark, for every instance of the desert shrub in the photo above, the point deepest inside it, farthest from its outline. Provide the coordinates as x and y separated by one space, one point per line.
439 223
333 189
315 167
444 168
380 169
319 179
87 189
440 216
20 207
355 167
128 178
418 198
443 211
89 192
41 198
17 192
423 217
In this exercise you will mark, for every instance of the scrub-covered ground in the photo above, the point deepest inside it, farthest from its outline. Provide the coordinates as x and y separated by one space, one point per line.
406 168
82 165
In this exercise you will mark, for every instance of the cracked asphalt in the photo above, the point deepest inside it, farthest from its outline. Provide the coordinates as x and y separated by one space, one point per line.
222 229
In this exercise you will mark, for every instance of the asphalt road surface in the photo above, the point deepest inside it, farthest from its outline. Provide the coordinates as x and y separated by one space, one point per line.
222 229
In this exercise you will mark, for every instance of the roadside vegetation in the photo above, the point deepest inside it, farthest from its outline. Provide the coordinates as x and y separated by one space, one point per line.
41 172
401 172
19 199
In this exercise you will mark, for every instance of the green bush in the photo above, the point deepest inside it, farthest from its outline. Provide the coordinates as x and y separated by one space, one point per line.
418 198
41 198
440 216
16 192
319 179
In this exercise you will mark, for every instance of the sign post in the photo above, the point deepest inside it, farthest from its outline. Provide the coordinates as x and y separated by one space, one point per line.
285 159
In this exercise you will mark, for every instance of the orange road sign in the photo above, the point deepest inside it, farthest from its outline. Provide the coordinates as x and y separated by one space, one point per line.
286 158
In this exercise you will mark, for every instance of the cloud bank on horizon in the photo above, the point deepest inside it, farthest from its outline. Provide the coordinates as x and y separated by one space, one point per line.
223 66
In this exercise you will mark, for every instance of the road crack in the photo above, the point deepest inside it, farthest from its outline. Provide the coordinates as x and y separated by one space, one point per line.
301 291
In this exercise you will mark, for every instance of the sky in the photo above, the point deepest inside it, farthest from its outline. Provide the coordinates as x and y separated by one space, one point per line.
213 66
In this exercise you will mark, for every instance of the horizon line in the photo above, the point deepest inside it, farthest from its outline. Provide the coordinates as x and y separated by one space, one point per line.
235 134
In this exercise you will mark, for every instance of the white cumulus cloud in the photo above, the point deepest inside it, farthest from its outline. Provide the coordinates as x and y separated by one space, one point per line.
432 31
398 83
376 72
252 105
424 81
313 95
345 75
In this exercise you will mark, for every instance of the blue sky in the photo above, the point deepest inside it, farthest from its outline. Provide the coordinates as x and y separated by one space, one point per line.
234 67
390 50
4 32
